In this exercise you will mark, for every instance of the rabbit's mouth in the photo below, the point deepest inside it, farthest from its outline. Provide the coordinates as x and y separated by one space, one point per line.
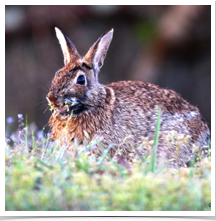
69 106
63 108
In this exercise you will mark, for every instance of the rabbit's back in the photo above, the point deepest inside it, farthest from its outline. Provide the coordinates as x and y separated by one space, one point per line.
135 114
140 100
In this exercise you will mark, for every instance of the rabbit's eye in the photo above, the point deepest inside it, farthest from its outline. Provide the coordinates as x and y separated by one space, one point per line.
81 80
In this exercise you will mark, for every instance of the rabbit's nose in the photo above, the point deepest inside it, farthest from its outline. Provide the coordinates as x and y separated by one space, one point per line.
52 96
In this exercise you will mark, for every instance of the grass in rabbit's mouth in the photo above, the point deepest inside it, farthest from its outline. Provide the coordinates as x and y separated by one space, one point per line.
64 106
42 176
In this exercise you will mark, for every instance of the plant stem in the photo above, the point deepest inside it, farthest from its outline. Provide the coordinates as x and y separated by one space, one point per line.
26 132
154 156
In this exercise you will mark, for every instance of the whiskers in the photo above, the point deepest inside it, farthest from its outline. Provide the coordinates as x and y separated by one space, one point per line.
43 89
41 86
42 106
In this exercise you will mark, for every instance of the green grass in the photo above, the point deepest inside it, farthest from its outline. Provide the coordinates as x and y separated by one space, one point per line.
40 176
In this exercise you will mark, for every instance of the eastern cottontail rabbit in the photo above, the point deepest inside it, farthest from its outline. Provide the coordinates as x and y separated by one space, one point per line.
80 104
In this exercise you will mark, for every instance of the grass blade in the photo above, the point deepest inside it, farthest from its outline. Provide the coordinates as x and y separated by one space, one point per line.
26 132
156 138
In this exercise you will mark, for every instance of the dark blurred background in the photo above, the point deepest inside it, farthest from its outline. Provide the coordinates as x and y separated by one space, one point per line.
166 45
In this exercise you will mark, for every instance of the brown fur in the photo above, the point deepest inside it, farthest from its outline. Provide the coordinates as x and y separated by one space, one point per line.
122 109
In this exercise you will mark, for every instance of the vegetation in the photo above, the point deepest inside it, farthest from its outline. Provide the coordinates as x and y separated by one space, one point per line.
42 176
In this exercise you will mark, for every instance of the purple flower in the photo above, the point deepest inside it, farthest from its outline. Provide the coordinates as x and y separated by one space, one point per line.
40 134
21 135
10 120
7 140
20 116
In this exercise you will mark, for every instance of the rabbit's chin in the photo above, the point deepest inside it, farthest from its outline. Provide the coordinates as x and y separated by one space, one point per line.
62 113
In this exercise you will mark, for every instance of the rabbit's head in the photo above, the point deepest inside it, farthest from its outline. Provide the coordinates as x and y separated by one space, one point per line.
73 88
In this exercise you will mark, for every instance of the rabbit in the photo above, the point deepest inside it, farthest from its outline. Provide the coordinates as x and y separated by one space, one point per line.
120 114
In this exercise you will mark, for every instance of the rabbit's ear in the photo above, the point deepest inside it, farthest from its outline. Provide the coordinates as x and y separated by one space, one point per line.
97 53
69 50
